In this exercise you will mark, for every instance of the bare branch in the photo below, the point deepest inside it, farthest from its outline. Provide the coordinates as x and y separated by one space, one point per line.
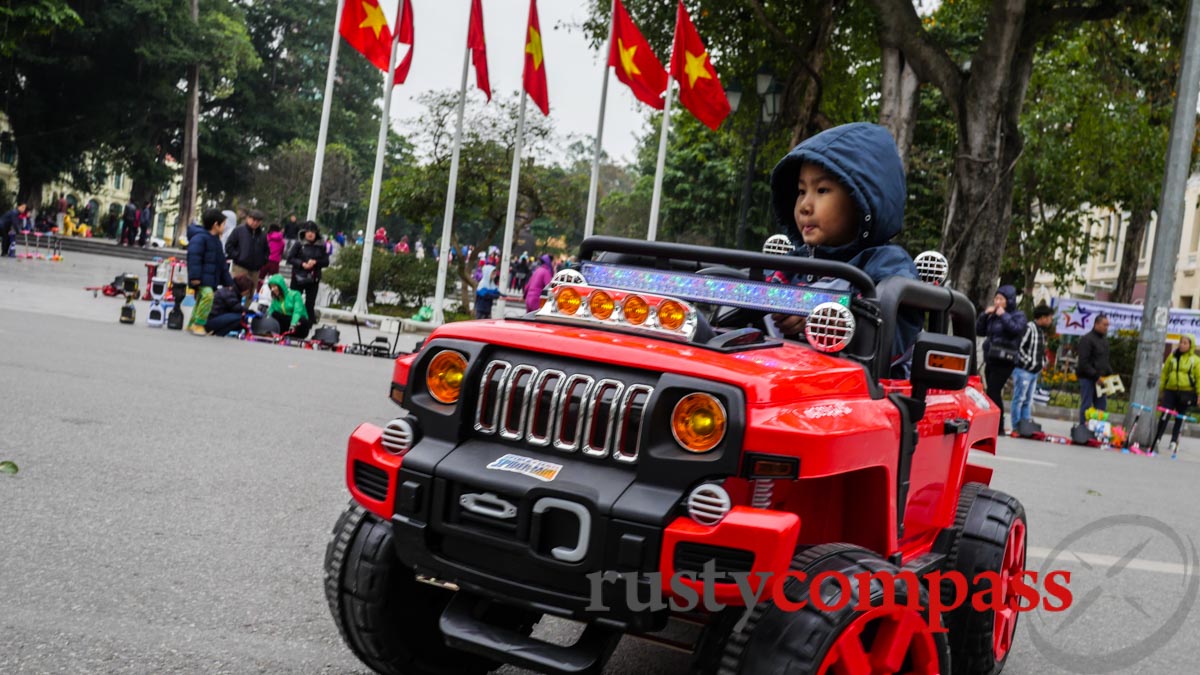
780 37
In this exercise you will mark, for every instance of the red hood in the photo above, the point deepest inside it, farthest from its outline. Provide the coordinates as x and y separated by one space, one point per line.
774 374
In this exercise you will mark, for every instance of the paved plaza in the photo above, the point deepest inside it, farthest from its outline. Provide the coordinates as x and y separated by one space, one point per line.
176 494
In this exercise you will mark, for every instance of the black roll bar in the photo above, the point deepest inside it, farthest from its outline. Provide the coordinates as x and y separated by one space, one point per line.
909 293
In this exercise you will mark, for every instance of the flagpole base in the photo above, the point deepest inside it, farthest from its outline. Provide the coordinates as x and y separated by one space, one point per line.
359 309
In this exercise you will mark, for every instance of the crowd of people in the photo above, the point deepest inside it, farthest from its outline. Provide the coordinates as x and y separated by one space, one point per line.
254 254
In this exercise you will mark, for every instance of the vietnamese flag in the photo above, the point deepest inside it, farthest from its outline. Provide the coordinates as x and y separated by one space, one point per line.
535 72
405 36
635 63
364 26
478 47
699 89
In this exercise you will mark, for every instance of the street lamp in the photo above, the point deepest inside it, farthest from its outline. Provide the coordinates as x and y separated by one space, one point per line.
770 95
734 93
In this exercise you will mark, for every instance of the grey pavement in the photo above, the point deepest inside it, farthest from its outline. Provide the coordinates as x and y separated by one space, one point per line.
176 493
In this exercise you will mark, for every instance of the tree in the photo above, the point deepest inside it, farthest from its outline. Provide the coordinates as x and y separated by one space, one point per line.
281 185
31 19
983 68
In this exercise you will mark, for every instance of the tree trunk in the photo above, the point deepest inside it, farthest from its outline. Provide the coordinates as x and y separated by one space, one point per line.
803 95
191 159
1139 220
898 107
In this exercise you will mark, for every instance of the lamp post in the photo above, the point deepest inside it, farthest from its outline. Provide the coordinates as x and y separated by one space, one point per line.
769 94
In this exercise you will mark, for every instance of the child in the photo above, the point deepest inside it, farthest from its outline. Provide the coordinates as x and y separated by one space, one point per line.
287 307
274 251
840 196
229 306
486 293
206 266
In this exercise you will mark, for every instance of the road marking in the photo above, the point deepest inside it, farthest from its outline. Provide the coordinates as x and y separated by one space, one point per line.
1019 460
1101 560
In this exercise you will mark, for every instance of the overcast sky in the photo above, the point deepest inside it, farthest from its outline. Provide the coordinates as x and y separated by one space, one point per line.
572 68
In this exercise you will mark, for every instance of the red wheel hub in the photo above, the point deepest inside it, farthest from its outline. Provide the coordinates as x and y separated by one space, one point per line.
884 640
1004 624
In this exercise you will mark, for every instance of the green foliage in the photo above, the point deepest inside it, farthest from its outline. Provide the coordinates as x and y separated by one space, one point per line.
281 185
28 19
410 279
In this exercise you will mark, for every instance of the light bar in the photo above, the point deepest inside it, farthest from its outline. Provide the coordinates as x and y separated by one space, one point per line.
781 298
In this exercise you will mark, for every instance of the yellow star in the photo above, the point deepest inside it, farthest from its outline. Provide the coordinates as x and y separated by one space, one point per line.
534 47
696 68
375 19
627 58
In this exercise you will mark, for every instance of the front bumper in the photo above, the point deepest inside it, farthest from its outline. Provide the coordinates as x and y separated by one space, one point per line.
554 550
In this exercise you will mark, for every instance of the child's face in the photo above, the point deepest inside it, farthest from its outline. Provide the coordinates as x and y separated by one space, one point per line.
825 214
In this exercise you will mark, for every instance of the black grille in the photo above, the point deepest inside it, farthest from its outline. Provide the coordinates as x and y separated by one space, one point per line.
692 557
370 480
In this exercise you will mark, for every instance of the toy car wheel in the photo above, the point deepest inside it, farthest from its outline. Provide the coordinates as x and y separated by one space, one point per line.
887 637
387 618
988 536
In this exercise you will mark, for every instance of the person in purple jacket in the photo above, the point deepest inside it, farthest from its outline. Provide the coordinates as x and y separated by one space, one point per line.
1002 325
538 281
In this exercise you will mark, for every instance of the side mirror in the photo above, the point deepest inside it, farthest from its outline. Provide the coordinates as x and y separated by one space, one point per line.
940 362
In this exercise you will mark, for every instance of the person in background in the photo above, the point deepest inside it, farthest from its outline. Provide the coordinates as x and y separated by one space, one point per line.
538 281
291 232
247 246
145 221
486 292
229 307
275 247
206 267
10 223
1031 359
287 307
1002 326
1180 386
307 258
1091 365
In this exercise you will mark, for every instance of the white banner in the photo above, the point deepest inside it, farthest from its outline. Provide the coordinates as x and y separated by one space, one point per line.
1075 317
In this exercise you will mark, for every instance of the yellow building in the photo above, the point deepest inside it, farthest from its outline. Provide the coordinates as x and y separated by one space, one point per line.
1100 270
108 197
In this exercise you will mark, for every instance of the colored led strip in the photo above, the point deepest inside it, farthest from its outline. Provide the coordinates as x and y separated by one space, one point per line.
783 298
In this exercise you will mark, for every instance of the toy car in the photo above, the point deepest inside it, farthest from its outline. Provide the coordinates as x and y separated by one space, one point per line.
649 420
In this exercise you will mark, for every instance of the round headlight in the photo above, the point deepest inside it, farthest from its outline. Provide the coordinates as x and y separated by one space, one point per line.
444 377
601 304
671 315
568 300
698 422
636 310
829 328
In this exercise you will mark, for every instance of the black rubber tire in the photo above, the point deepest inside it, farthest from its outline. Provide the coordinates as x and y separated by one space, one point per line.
385 616
794 643
980 534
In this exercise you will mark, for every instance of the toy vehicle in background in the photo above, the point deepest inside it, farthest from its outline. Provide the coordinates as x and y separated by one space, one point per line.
648 419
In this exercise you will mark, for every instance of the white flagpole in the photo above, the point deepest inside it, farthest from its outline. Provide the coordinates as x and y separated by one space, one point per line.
364 274
314 191
444 254
510 220
662 158
589 226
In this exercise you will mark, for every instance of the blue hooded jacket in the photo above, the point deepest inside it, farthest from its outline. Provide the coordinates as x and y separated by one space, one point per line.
206 258
864 159
1004 331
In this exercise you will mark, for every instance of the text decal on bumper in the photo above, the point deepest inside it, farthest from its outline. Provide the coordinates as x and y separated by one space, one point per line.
534 468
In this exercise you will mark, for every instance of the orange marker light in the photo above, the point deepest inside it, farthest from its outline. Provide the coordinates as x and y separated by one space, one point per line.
568 300
445 376
636 310
671 315
601 304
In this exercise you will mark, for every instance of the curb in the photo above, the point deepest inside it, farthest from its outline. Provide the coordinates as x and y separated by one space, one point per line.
406 325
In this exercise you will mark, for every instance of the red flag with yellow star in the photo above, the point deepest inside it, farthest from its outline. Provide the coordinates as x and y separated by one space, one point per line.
478 46
635 63
700 90
365 27
535 67
405 37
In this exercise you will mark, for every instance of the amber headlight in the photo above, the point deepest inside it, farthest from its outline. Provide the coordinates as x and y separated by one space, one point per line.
444 377
698 422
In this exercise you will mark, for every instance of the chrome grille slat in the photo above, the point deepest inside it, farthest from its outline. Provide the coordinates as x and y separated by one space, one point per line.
533 405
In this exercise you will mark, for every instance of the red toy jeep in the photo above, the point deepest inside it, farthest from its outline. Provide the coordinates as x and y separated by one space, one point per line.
646 439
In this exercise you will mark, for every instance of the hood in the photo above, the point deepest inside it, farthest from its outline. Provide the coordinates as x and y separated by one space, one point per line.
279 282
194 231
1192 339
546 259
863 157
486 280
1010 296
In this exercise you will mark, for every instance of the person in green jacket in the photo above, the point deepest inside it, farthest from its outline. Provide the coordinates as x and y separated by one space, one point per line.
287 307
1180 386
